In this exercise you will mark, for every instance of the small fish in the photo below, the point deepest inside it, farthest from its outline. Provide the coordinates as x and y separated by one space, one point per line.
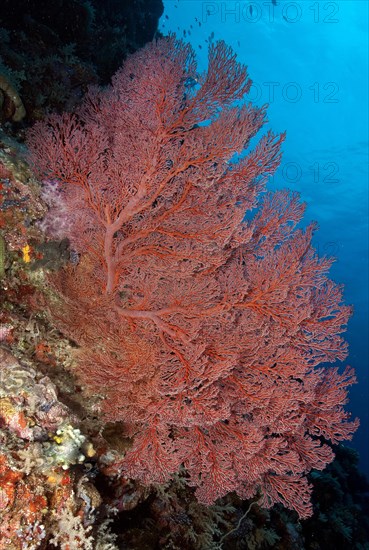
190 82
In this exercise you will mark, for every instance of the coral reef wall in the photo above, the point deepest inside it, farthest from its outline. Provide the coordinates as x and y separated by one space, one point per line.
51 51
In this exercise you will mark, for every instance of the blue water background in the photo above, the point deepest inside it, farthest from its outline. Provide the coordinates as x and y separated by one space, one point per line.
309 61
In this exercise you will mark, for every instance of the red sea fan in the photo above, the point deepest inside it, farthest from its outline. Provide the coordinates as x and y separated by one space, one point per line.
203 331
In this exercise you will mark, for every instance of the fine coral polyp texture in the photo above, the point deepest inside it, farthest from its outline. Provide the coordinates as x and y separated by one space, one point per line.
203 331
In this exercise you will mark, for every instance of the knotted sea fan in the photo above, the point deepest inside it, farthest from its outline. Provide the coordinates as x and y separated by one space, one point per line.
203 331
